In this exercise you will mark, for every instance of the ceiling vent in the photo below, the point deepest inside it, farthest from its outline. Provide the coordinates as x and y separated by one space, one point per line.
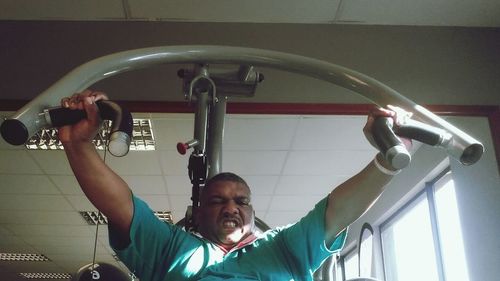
45 275
22 257
142 137
93 217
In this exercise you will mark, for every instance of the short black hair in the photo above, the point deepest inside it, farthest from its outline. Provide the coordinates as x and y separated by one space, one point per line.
226 176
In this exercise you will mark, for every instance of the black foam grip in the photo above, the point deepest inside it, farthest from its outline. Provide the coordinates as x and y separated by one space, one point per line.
421 132
383 135
64 116
108 110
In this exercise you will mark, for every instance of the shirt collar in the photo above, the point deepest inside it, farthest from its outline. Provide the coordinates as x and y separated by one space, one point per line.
245 242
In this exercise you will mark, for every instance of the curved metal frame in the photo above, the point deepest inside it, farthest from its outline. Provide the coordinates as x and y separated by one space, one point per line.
462 146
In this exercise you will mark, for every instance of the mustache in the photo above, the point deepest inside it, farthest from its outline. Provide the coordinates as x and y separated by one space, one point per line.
235 218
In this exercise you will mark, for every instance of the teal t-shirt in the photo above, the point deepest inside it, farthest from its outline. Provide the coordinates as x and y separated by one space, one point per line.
161 252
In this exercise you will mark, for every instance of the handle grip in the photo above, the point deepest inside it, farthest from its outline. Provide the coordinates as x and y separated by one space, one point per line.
16 133
391 147
385 134
121 128
423 133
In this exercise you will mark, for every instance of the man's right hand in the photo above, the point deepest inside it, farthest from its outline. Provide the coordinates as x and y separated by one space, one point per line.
86 129
102 186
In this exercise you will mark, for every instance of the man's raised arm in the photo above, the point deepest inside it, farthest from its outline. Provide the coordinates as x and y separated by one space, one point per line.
103 187
348 201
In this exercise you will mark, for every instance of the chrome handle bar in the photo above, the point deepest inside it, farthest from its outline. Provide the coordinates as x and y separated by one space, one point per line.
462 146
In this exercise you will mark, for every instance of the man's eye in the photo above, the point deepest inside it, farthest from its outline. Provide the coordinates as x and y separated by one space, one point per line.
216 201
244 202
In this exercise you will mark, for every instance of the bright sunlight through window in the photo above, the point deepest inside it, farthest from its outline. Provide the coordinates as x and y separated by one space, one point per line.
454 262
351 265
423 241
409 246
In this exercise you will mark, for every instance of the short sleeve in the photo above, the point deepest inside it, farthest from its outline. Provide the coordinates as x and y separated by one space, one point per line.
305 240
156 247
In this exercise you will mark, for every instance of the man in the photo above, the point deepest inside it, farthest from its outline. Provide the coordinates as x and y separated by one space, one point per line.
226 247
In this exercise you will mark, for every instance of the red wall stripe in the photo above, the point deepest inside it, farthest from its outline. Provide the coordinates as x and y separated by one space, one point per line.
489 111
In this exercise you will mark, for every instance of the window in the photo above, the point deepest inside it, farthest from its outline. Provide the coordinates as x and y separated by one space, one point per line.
350 265
423 240
454 262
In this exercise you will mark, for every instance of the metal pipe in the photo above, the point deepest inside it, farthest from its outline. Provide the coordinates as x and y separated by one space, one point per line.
200 122
462 147
216 136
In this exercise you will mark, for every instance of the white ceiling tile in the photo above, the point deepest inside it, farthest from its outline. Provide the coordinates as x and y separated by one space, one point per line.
276 219
7 246
157 202
144 185
236 11
70 250
101 232
34 202
261 202
27 184
50 230
178 185
4 231
52 162
103 242
40 217
294 202
308 185
17 162
80 203
170 131
67 184
260 214
177 216
141 115
61 9
252 133
82 259
261 185
11 240
136 163
330 132
47 266
172 163
254 162
59 241
7 146
322 162
179 203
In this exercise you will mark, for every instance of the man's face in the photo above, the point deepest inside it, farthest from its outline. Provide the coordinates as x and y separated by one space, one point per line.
225 215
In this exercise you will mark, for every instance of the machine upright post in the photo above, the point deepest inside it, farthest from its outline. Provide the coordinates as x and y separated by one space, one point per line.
216 136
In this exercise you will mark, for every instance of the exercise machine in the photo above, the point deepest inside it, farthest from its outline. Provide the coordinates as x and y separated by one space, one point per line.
210 92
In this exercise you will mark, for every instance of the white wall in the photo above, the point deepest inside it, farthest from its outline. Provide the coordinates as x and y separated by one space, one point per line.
478 196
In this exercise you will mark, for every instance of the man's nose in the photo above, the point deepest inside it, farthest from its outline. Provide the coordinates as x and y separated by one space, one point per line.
231 207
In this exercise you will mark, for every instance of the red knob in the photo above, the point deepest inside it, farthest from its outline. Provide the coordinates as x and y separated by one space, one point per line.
182 147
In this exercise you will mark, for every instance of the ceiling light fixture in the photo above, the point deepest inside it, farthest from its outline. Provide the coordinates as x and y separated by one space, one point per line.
142 137
45 275
93 217
22 257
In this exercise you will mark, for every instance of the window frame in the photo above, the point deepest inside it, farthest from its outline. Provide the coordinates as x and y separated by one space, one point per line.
428 192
